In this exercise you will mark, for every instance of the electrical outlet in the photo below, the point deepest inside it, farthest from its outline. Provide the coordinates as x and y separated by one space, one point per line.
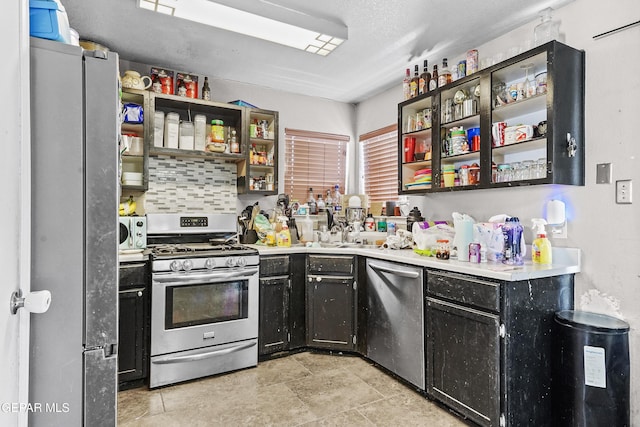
624 191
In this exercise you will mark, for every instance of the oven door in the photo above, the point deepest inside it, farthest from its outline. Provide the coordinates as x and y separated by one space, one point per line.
191 310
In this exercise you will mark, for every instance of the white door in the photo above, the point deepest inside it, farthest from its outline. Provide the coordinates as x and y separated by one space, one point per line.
14 212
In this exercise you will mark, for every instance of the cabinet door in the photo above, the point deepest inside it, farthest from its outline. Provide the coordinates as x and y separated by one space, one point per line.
131 335
260 174
463 360
330 312
274 315
297 309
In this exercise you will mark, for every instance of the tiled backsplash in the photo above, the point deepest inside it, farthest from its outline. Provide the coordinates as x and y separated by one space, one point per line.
178 185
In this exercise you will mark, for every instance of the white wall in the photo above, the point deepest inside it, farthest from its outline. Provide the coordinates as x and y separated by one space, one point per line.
607 233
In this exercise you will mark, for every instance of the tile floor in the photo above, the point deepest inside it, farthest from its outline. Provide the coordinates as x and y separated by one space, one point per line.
303 389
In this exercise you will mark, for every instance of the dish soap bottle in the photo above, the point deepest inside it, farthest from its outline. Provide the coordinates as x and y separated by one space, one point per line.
541 247
283 238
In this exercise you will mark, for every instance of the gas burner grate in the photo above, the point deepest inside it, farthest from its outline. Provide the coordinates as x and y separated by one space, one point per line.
173 249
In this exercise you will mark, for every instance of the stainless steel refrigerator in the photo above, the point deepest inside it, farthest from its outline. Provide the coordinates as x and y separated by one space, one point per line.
74 242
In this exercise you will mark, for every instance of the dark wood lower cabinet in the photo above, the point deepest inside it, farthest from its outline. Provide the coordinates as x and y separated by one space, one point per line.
274 314
133 326
331 296
489 345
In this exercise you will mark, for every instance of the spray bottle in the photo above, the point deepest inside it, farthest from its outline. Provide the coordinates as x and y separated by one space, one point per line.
541 247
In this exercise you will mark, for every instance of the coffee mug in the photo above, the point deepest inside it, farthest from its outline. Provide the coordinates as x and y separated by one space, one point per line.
497 131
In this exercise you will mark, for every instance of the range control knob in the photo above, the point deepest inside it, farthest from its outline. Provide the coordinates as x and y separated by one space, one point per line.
187 264
210 264
241 262
175 265
230 262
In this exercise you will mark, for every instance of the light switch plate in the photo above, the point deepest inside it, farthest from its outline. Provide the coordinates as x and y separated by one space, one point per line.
603 173
624 191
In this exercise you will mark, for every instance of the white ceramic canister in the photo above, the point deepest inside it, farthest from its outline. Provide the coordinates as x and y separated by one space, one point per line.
158 129
186 138
171 130
200 125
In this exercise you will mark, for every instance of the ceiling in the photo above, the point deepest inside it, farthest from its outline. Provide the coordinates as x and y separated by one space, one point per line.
385 37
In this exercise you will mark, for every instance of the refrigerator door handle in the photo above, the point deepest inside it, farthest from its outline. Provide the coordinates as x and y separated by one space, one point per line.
33 302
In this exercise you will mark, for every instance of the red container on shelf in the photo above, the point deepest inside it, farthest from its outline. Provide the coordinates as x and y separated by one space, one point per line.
409 148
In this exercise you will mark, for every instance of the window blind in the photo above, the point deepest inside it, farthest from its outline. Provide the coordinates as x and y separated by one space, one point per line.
313 160
379 155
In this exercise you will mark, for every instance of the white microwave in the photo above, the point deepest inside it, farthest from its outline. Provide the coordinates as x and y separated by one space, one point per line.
133 232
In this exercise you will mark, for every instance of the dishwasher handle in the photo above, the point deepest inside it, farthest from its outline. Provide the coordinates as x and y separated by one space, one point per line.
410 274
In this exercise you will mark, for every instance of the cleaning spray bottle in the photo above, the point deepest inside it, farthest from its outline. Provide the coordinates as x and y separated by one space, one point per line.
283 238
541 247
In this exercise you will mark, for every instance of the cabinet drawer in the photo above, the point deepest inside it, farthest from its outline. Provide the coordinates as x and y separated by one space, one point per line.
330 264
468 290
274 266
132 274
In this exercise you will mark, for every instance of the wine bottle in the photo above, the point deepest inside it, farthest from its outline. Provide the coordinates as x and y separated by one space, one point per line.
425 78
433 84
445 74
206 91
406 85
413 85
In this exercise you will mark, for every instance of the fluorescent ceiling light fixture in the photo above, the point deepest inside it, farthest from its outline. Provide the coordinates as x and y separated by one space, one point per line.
260 19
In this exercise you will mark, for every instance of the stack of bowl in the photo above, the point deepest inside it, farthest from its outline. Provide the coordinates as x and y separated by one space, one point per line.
449 175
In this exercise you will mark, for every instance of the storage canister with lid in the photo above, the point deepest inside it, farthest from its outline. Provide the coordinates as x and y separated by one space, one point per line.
200 132
171 130
185 141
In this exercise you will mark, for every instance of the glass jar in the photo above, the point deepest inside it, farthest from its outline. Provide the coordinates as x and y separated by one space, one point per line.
464 174
504 172
474 174
541 168
217 131
442 249
528 169
516 167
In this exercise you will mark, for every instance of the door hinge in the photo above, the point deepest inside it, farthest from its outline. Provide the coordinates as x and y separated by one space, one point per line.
353 340
355 285
288 337
503 331
503 421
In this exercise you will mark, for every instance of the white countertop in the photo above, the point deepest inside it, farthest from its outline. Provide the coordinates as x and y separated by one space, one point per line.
566 261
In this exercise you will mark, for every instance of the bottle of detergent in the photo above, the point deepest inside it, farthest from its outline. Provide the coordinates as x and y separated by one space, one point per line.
512 233
541 247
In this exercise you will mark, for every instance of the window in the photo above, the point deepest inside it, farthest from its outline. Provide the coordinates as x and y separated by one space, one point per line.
313 159
379 155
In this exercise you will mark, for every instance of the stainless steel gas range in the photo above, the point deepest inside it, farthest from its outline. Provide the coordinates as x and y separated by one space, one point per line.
204 300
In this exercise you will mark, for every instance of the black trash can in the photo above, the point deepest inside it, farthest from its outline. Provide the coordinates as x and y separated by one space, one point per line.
590 381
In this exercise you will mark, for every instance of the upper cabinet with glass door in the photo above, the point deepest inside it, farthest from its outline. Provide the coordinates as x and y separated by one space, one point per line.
537 117
259 171
416 124
519 122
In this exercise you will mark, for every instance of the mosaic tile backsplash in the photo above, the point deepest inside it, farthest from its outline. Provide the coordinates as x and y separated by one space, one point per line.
180 185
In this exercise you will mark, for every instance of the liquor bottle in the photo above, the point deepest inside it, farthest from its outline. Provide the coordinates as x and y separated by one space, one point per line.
413 85
445 74
406 85
206 91
425 78
337 199
433 84
313 208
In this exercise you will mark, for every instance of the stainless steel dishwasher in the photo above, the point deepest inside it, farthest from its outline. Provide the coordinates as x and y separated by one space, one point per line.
395 320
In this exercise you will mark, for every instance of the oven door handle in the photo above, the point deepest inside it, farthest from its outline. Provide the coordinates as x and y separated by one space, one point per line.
190 278
201 356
